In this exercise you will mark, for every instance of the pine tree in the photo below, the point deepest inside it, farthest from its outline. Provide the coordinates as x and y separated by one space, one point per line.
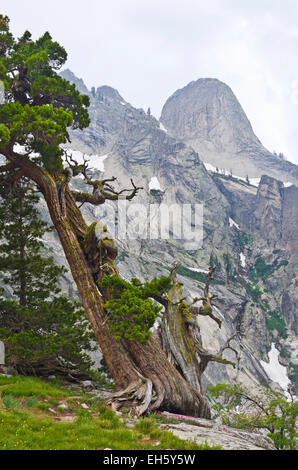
228 265
43 331
214 261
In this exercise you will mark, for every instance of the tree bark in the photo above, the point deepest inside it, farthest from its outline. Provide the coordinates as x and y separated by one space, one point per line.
180 335
179 339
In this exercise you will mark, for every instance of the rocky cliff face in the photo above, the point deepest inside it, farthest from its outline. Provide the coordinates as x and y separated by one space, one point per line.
207 116
249 232
269 214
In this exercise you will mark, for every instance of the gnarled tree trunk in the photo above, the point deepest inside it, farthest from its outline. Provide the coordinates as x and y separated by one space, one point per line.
145 380
180 336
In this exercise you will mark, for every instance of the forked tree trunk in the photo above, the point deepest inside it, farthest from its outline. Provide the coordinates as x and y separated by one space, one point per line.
178 338
145 380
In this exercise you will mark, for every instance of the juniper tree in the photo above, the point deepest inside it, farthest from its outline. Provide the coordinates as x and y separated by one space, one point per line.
44 332
40 108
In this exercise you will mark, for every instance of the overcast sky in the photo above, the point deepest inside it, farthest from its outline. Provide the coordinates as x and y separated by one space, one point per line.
147 49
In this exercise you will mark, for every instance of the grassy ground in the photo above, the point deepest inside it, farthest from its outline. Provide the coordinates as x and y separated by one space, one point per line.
40 415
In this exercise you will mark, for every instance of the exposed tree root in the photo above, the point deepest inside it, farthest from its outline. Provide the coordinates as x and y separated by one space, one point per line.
137 397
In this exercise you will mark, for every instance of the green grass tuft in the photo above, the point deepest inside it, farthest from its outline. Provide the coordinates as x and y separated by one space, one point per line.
30 386
10 402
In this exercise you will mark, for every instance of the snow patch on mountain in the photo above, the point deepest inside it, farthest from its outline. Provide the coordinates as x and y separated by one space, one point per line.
252 181
225 172
275 371
162 127
199 270
95 162
232 223
154 184
242 260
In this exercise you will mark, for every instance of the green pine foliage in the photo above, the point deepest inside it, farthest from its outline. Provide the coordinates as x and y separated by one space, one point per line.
276 323
43 331
228 265
39 104
214 261
131 310
263 271
293 375
244 239
186 272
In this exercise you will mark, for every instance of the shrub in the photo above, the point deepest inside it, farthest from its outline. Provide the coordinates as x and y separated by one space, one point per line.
270 412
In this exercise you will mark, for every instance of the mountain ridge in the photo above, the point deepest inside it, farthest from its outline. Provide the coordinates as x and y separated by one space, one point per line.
206 115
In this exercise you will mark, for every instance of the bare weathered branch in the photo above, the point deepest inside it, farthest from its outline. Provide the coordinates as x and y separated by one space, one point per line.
109 180
228 346
111 194
208 281
207 301
102 191
77 168
96 199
